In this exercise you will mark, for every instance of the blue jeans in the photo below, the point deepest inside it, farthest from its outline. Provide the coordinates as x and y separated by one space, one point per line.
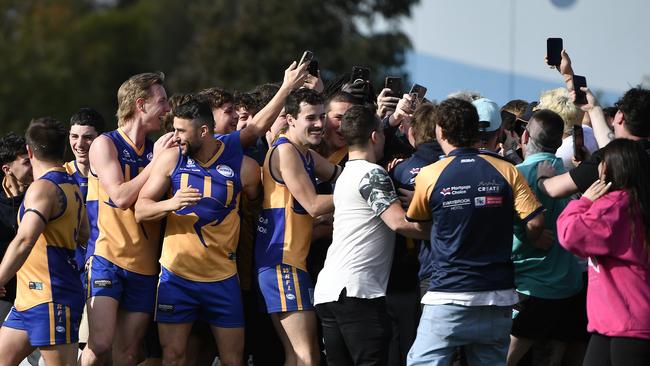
483 330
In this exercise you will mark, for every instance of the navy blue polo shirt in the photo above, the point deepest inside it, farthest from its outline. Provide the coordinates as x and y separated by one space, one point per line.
403 176
471 197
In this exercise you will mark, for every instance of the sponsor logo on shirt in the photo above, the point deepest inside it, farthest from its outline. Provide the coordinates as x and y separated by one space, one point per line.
457 204
150 156
226 171
465 161
455 190
35 285
291 297
488 201
489 187
415 171
126 154
60 329
190 163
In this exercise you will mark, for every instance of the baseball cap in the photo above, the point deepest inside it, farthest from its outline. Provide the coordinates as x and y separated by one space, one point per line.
489 115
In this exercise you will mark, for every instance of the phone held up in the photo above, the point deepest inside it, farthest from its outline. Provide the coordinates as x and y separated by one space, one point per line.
360 73
554 51
580 82
417 94
578 143
395 85
307 56
313 68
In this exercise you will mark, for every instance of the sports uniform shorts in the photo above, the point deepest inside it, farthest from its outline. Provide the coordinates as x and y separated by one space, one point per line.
181 300
286 288
134 292
47 324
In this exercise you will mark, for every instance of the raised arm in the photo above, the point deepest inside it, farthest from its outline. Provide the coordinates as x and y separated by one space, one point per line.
602 132
297 181
294 77
103 161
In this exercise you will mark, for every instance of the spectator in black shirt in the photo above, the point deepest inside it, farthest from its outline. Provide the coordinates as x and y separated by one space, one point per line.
16 177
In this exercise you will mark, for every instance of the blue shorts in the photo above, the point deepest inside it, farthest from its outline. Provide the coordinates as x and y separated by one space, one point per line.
134 292
46 324
286 288
185 301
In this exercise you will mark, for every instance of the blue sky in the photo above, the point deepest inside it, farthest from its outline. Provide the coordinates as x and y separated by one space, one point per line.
497 47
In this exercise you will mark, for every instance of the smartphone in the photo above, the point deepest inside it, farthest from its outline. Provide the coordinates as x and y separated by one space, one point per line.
554 51
313 67
580 82
395 85
360 73
578 143
307 56
417 94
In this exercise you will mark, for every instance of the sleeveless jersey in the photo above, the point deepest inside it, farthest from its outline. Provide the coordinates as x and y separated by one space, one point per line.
115 235
200 241
72 169
284 228
50 273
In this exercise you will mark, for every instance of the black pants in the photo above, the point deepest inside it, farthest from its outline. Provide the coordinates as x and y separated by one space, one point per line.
615 351
404 311
356 331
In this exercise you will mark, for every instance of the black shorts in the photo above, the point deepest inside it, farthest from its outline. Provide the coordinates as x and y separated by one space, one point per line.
564 320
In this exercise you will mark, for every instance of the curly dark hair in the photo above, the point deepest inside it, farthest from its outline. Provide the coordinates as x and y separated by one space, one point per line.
458 121
11 145
309 96
88 117
635 105
247 101
216 97
264 93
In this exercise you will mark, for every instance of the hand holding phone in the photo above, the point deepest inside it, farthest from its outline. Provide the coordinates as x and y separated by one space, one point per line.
417 94
360 73
554 51
313 68
395 85
578 143
307 56
580 82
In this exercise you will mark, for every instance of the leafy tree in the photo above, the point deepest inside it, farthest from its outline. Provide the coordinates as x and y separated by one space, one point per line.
59 56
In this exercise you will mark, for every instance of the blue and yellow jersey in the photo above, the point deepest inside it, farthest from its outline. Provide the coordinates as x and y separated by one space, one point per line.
284 228
472 199
114 233
72 169
50 273
200 241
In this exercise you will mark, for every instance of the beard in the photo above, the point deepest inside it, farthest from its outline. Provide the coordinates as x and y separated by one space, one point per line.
190 148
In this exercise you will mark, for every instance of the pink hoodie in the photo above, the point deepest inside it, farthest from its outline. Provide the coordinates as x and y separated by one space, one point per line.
618 296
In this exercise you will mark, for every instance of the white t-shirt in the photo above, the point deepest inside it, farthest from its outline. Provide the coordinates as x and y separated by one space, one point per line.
565 151
361 253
